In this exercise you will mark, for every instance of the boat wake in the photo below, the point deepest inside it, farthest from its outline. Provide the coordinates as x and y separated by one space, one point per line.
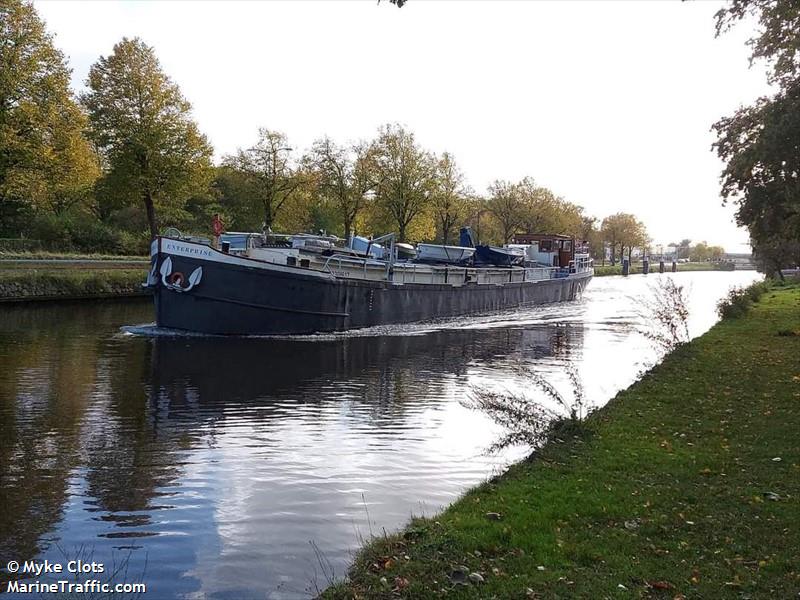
153 330
536 315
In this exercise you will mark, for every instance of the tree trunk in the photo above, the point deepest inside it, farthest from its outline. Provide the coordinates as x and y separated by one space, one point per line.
445 235
348 228
779 270
150 208
267 216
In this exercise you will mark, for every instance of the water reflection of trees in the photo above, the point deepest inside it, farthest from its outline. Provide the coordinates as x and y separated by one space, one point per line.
127 411
47 376
128 454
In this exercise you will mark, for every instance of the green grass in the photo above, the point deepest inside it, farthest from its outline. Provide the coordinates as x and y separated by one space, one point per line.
664 498
703 266
44 255
73 265
603 270
36 284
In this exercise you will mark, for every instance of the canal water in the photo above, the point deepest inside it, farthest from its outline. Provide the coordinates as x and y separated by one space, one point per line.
254 467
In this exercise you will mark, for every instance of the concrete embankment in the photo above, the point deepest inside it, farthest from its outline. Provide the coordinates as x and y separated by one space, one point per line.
21 284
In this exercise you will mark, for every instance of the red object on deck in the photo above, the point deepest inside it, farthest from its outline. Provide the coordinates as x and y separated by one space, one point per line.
217 226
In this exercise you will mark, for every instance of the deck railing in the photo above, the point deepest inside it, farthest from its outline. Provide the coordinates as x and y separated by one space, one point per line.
344 265
581 264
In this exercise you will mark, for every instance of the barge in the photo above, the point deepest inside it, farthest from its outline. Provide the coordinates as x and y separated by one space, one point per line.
308 284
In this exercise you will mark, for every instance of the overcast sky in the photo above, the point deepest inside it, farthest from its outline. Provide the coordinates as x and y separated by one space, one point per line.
607 103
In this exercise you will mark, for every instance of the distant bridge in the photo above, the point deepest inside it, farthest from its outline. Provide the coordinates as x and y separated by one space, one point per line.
743 262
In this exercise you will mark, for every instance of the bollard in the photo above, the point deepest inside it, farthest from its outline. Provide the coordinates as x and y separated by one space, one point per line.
661 266
626 266
674 267
646 266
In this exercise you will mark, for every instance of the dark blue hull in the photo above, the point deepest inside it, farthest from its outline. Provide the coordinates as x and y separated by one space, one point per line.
242 297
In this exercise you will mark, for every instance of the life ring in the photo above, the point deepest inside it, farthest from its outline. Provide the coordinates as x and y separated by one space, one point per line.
177 278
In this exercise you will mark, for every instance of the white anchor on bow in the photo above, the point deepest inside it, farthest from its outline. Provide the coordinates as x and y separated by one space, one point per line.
169 281
152 280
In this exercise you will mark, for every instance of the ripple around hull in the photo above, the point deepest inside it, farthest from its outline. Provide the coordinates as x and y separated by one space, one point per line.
506 318
153 330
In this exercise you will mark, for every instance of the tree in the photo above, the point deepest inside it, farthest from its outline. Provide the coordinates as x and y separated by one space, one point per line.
778 40
344 176
634 234
588 227
569 218
142 125
773 255
702 252
683 249
236 192
45 162
405 175
305 209
269 169
540 212
716 252
623 230
761 148
481 219
590 234
760 144
450 196
611 230
507 205
544 212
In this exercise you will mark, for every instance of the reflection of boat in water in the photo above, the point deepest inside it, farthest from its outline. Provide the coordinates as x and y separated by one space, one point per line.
366 366
307 286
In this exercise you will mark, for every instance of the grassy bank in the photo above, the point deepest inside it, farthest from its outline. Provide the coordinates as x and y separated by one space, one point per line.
45 284
636 268
688 486
45 255
69 264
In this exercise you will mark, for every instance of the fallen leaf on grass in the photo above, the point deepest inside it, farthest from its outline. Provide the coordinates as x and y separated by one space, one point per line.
400 583
660 585
476 578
